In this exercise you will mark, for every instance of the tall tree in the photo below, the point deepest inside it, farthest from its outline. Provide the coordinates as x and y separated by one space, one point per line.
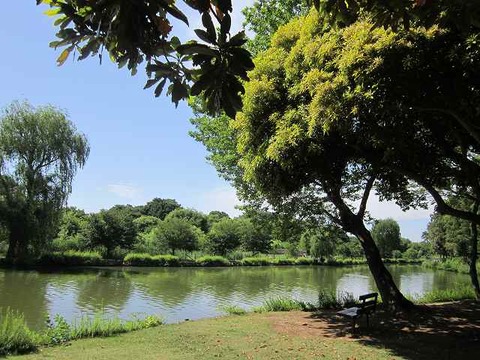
40 153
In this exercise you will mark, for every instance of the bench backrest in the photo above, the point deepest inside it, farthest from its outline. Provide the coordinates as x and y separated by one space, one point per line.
368 302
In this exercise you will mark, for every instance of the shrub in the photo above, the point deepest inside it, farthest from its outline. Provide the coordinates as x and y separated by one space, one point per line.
15 337
72 258
212 261
329 299
257 261
136 259
455 264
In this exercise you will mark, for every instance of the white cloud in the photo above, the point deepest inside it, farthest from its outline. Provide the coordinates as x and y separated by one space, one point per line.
221 199
125 191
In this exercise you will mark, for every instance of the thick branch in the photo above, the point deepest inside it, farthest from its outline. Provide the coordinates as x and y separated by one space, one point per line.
366 194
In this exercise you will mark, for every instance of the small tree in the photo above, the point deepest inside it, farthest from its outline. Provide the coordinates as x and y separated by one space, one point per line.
386 234
40 153
224 236
175 234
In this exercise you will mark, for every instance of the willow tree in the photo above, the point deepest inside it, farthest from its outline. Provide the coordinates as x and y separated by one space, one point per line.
40 153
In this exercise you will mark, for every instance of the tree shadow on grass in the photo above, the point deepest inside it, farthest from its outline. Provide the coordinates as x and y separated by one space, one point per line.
443 331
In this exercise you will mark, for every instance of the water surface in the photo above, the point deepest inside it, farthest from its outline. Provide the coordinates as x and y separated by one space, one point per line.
191 293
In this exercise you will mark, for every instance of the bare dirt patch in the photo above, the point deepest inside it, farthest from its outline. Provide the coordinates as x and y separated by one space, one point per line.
436 331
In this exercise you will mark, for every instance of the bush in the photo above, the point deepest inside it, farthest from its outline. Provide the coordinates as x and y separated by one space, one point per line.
15 336
72 258
257 261
136 259
212 261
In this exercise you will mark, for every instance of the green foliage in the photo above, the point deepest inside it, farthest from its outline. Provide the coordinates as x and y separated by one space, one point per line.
37 172
72 231
132 35
194 217
15 337
265 17
175 233
257 261
113 228
71 258
386 234
136 259
224 236
160 208
212 261
450 236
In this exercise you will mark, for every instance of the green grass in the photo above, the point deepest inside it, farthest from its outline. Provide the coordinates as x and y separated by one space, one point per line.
283 304
15 336
235 337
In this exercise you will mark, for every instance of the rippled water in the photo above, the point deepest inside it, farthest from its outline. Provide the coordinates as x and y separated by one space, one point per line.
190 293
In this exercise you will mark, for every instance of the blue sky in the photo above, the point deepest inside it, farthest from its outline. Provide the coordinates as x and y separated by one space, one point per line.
140 148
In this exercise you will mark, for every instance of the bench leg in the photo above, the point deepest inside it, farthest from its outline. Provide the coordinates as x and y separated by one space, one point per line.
353 324
368 323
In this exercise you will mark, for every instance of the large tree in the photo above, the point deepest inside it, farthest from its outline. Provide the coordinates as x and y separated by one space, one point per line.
40 153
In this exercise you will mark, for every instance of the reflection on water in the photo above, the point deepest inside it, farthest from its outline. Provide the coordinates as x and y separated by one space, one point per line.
181 293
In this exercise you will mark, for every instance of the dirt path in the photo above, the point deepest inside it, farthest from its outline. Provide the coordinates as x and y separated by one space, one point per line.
437 331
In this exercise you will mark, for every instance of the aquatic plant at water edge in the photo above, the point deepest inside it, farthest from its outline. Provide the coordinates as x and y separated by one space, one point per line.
15 336
233 310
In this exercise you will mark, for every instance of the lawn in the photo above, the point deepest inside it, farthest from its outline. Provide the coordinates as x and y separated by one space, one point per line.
252 336
439 331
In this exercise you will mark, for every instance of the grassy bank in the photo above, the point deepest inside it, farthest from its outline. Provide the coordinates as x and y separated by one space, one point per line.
242 337
17 338
92 258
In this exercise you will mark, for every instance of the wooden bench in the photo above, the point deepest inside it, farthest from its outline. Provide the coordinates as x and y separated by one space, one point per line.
367 305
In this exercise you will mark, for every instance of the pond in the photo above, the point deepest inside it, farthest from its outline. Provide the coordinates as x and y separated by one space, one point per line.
177 294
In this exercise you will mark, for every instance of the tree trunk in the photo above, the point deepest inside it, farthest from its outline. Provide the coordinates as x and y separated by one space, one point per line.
474 255
391 296
17 252
353 223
